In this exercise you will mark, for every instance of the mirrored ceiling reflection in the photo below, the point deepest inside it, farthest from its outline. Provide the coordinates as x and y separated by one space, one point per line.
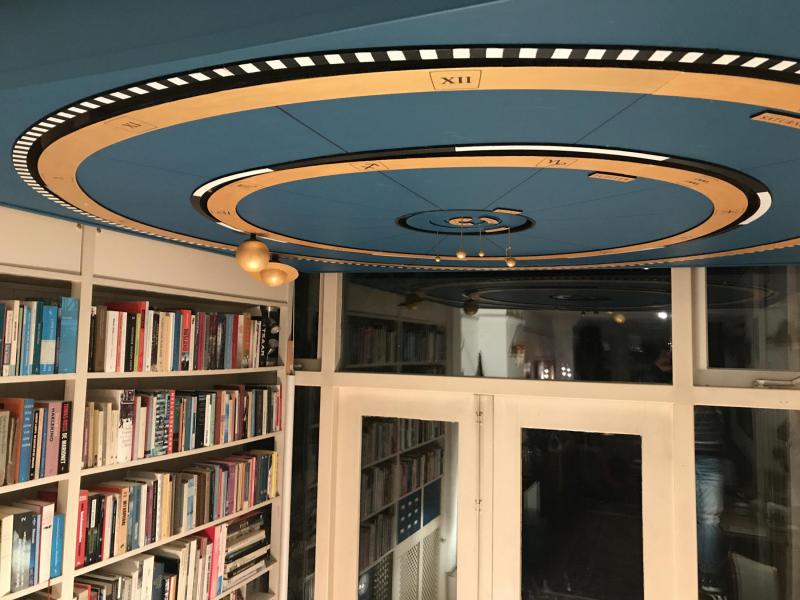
563 325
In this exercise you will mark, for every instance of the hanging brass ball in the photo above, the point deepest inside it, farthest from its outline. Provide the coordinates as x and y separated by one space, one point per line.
511 262
273 277
252 255
461 254
437 258
470 307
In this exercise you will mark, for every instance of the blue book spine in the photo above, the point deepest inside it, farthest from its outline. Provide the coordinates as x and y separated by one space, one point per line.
228 342
133 518
57 549
24 365
176 343
67 335
37 341
2 334
187 422
47 361
25 445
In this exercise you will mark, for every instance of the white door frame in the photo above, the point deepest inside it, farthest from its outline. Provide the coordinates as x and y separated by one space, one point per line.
354 403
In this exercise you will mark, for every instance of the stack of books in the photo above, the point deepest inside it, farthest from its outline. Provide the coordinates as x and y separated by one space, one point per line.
378 440
420 467
377 488
38 337
372 341
126 425
197 567
34 439
31 543
145 507
375 538
133 337
414 432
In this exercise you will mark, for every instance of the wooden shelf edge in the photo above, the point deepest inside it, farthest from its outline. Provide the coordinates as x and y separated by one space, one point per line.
33 483
271 562
167 540
34 588
37 378
160 374
175 455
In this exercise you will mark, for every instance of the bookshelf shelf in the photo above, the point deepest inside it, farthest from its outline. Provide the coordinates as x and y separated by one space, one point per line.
418 488
379 461
375 562
38 378
270 564
422 444
30 590
161 374
167 540
375 513
175 455
33 483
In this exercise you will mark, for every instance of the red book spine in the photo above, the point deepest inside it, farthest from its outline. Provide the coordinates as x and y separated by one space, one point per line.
142 342
171 421
235 343
201 341
80 546
186 343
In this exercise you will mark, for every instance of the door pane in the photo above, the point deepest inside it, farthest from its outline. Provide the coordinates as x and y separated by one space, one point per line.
407 529
747 468
581 516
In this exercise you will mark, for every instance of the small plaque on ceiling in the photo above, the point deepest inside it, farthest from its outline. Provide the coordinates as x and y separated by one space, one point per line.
455 80
612 177
130 124
778 119
369 165
553 162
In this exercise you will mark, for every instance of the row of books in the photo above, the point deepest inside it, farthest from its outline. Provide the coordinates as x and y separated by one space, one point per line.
378 440
419 468
145 507
133 337
126 425
31 543
377 487
414 432
422 343
198 567
34 439
371 342
375 538
38 337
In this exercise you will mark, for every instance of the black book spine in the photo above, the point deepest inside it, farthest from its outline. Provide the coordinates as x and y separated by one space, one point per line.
177 424
154 346
92 340
212 342
35 447
130 343
262 340
200 423
220 350
64 442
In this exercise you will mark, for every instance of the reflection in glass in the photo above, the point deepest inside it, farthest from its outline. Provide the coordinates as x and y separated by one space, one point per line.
407 509
754 318
581 516
748 496
303 520
306 315
590 326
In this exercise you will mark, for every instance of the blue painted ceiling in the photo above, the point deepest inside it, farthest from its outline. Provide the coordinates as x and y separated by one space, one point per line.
54 53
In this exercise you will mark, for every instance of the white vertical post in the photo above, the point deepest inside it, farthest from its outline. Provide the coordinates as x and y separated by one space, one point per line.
326 505
75 392
331 311
281 521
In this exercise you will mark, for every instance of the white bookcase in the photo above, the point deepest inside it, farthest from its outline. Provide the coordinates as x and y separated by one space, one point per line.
49 256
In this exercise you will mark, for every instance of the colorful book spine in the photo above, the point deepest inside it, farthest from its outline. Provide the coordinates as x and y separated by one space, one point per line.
57 548
47 355
67 334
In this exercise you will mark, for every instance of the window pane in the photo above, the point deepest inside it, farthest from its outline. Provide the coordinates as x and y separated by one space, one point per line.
748 496
754 318
306 315
590 326
303 523
581 516
407 529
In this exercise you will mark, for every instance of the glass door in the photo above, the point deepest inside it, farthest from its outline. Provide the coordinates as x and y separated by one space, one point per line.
582 499
405 521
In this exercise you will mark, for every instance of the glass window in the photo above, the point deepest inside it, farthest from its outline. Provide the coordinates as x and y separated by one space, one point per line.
754 318
306 315
303 523
590 326
407 509
748 497
581 516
